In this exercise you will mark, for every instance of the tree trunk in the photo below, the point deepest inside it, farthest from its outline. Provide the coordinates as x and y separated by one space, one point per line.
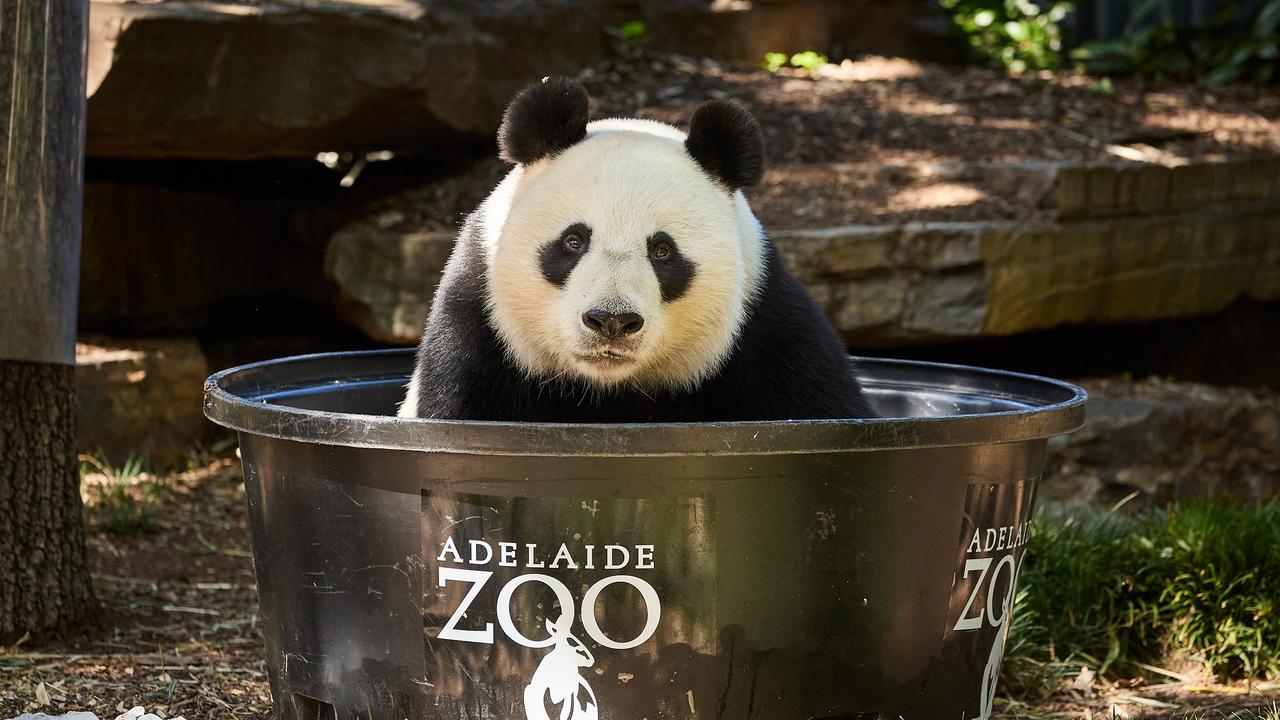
44 580
44 583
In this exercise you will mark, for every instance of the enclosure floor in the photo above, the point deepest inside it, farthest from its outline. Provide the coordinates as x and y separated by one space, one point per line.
891 140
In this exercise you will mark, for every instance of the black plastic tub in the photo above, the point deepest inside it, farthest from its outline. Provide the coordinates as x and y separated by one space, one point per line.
779 570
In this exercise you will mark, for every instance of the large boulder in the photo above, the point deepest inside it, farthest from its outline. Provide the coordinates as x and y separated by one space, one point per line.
191 78
204 79
1162 440
387 279
140 397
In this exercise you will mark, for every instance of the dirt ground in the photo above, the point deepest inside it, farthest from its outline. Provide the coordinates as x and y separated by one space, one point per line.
179 627
891 140
895 111
180 636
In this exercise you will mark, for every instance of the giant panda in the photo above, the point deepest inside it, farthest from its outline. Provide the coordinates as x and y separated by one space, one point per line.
617 274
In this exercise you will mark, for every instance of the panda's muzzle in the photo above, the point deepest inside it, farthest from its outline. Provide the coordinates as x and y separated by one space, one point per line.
612 326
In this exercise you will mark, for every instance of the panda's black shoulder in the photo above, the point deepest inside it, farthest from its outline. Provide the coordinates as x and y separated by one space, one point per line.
461 371
788 362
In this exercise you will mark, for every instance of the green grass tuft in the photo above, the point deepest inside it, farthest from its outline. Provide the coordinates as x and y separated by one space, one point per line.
1198 583
120 500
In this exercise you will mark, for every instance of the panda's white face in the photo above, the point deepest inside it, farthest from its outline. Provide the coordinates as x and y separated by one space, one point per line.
620 262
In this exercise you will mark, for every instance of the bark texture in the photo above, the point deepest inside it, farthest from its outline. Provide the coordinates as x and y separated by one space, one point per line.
44 577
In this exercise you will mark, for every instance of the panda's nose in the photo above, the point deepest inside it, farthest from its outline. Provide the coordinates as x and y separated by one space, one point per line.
612 325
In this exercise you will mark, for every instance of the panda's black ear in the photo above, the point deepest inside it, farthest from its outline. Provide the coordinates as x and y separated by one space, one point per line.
543 119
726 141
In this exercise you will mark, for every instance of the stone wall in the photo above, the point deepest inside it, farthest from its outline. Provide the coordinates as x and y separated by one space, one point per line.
932 282
1122 244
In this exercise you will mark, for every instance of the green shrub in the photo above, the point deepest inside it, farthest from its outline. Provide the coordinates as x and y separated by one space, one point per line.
628 39
1017 35
1198 582
1241 41
808 61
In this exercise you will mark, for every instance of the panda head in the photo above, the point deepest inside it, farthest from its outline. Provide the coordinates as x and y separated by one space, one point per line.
622 252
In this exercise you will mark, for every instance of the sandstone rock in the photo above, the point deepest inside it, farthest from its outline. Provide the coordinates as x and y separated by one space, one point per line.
919 282
387 279
140 396
294 79
1128 269
1164 440
1096 191
194 78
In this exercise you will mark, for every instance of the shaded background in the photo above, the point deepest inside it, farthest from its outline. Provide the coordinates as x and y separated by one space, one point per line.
271 178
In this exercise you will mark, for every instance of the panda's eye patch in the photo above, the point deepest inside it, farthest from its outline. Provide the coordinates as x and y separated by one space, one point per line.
575 238
674 271
558 257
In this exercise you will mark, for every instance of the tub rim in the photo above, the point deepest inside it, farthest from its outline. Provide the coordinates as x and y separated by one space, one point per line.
231 407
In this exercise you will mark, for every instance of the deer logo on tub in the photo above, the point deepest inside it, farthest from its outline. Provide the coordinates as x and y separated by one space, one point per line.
557 675
991 673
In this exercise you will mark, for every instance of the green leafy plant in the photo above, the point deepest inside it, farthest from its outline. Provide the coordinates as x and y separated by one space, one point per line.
808 61
1240 41
1198 582
628 39
120 500
1103 86
1017 35
200 454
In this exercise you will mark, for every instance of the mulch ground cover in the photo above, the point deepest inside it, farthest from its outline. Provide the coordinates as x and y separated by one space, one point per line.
882 140
179 633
